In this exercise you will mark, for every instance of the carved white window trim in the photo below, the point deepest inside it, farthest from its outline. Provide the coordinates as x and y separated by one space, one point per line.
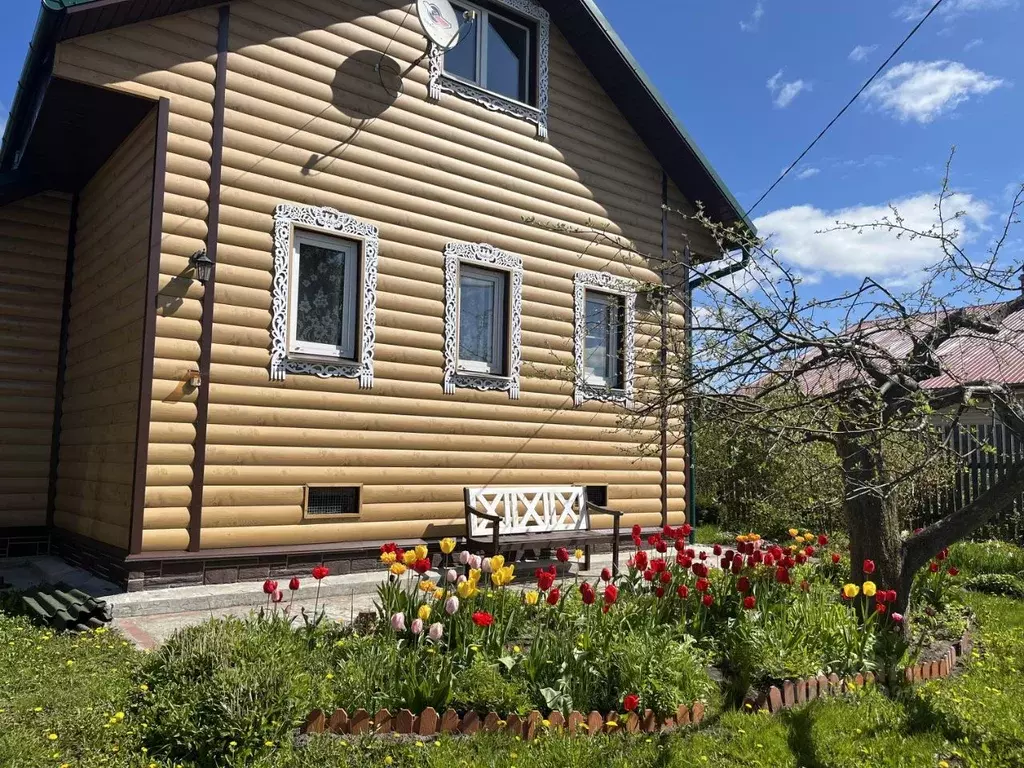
627 289
481 254
440 81
288 217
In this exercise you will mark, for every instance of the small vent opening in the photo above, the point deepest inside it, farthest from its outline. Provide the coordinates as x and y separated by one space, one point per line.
332 500
598 494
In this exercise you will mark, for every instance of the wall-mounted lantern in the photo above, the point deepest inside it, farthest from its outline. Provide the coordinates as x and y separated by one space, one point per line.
202 265
195 379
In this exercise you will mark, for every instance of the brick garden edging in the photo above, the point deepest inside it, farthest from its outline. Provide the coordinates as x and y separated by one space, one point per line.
796 692
430 723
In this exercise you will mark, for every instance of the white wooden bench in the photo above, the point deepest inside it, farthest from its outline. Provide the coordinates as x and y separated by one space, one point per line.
512 519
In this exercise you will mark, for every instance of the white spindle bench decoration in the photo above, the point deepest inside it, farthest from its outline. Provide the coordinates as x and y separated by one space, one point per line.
516 518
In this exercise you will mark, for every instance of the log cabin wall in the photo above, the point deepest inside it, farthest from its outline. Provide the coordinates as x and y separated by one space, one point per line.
33 253
104 356
308 121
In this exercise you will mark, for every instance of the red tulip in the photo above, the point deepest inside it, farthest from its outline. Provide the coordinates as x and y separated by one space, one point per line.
942 555
661 546
631 702
749 602
637 542
801 558
659 592
743 584
658 564
544 580
420 566
953 571
707 600
680 545
809 551
737 564
562 554
805 585
653 539
880 607
703 555
686 529
606 574
869 566
483 619
587 593
641 560
637 530
836 558
611 594
933 567
702 585
683 560
389 547
668 532
269 587
822 540
890 596
665 577
717 549
648 575
294 583
769 560
683 591
553 596
321 572
782 576
278 596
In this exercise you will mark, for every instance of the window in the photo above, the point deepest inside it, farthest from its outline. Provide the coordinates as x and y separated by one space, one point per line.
331 501
494 51
482 315
324 302
500 61
602 345
483 290
604 321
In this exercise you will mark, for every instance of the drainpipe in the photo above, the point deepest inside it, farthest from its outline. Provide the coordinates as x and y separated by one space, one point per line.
699 282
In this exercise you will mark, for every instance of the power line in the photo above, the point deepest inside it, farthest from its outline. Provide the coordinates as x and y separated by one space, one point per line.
848 105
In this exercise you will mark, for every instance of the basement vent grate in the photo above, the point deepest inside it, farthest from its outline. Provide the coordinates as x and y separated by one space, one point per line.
332 500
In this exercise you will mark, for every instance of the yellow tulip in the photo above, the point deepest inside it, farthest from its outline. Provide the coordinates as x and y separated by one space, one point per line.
424 613
447 545
397 569
387 557
409 557
421 551
427 585
467 589
503 576
497 562
793 532
870 589
438 593
742 538
578 554
851 591
474 575
532 596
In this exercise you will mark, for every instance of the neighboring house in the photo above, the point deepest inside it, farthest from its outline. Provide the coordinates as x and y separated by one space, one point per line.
275 285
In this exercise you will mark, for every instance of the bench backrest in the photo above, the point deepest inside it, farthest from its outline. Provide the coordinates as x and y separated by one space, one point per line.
542 508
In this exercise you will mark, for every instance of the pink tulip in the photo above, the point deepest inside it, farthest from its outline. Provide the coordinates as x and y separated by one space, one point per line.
436 631
451 605
452 576
398 622
463 557
417 626
278 596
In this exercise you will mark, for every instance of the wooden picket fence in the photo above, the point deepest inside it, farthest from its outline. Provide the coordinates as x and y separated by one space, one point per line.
992 450
430 723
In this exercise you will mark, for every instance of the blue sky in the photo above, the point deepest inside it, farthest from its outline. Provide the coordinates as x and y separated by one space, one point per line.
754 81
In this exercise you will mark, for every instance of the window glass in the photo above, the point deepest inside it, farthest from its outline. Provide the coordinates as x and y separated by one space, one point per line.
508 47
602 347
323 296
461 60
481 320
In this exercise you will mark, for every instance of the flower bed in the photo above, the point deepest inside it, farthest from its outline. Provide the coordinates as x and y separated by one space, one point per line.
472 638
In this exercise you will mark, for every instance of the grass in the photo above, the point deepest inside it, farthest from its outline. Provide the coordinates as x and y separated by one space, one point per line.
76 701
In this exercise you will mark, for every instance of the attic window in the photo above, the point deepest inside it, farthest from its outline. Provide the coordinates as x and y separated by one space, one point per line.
500 61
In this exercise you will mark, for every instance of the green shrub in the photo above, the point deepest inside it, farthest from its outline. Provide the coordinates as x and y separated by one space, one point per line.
482 688
977 557
997 584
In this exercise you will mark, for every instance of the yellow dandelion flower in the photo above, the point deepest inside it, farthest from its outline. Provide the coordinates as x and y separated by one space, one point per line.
52 736
578 554
388 759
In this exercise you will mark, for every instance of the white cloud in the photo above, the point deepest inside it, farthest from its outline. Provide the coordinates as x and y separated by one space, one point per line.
784 92
861 52
755 18
915 9
800 233
923 90
806 173
973 44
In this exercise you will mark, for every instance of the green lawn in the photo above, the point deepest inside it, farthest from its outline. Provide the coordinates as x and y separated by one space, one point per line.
73 701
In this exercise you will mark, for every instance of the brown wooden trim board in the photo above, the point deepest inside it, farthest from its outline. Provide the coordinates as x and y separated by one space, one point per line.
156 221
62 363
195 506
663 351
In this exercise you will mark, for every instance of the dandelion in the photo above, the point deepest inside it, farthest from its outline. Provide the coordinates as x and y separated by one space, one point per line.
52 736
578 554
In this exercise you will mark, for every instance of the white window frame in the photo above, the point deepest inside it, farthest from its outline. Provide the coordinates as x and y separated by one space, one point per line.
604 283
482 36
499 330
457 373
441 81
613 357
303 223
350 249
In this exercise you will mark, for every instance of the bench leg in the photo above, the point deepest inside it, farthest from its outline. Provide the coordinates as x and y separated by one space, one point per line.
586 558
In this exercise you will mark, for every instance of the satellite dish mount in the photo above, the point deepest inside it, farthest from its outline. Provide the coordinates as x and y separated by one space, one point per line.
442 26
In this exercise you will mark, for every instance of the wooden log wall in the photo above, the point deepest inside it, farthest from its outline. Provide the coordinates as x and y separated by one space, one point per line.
101 394
308 121
33 252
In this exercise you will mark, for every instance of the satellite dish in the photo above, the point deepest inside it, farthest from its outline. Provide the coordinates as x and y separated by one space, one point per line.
440 22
